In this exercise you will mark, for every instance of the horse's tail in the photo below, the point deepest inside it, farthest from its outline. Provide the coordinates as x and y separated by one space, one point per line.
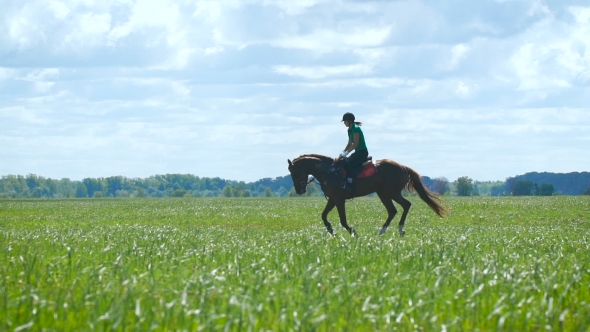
432 199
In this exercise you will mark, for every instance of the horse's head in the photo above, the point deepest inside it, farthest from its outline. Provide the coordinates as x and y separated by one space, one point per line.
301 167
299 177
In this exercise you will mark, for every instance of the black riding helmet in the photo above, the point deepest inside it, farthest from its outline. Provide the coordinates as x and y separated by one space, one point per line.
348 117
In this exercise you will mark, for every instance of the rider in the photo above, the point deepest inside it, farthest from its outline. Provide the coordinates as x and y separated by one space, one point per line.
356 142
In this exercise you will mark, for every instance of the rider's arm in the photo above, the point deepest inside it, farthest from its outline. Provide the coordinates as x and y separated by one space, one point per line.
352 145
347 148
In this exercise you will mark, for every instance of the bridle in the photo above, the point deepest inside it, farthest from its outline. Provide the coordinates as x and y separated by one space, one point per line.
302 183
305 183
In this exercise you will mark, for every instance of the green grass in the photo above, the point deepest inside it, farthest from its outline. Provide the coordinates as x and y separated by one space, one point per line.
268 264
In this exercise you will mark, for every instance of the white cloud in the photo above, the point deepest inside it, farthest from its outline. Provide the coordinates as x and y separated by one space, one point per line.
293 7
164 26
481 26
462 90
538 7
43 87
42 74
7 73
129 81
148 13
331 40
90 30
551 56
212 11
458 53
582 14
60 10
214 50
323 71
24 30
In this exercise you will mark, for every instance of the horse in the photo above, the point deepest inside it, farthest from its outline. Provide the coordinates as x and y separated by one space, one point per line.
388 182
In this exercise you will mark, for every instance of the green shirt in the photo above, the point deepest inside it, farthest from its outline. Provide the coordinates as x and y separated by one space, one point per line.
356 129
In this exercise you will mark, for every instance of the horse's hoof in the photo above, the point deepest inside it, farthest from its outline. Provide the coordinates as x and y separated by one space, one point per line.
382 231
402 233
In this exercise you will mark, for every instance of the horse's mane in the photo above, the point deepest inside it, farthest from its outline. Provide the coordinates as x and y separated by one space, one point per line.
316 156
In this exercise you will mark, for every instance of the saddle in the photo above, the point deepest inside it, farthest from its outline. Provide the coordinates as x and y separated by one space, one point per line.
367 169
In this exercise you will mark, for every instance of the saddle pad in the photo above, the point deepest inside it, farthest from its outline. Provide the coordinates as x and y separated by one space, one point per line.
368 170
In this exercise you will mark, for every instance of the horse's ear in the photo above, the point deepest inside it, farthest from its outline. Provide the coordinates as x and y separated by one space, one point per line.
290 163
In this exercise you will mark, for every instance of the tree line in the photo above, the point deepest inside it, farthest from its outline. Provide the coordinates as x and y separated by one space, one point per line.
529 184
169 185
187 185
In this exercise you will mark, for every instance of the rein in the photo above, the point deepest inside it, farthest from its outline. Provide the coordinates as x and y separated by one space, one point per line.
314 180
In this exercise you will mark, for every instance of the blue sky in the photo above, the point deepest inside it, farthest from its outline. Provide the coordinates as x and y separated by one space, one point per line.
230 88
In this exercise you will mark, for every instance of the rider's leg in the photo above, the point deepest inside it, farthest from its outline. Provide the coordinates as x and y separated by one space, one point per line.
353 162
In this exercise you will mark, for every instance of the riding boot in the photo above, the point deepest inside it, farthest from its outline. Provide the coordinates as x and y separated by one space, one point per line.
348 186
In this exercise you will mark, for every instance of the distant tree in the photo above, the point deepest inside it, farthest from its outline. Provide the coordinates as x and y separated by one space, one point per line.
312 190
179 193
427 182
92 186
65 188
98 194
141 192
268 192
497 191
523 188
51 187
81 191
208 193
122 193
441 185
33 181
587 191
114 184
546 189
464 186
228 191
36 192
292 192
246 193
15 186
568 184
475 191
282 192
153 192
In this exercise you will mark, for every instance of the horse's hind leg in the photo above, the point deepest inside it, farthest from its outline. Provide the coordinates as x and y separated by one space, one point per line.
406 206
327 210
391 210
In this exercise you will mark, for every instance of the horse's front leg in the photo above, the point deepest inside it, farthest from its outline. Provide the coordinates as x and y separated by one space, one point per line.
327 210
340 205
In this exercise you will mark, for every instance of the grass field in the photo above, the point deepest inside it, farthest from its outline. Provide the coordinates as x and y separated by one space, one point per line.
514 264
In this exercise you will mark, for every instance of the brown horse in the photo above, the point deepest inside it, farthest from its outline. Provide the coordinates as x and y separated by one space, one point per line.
389 181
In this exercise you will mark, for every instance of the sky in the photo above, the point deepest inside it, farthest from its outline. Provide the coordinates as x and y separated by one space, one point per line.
487 89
